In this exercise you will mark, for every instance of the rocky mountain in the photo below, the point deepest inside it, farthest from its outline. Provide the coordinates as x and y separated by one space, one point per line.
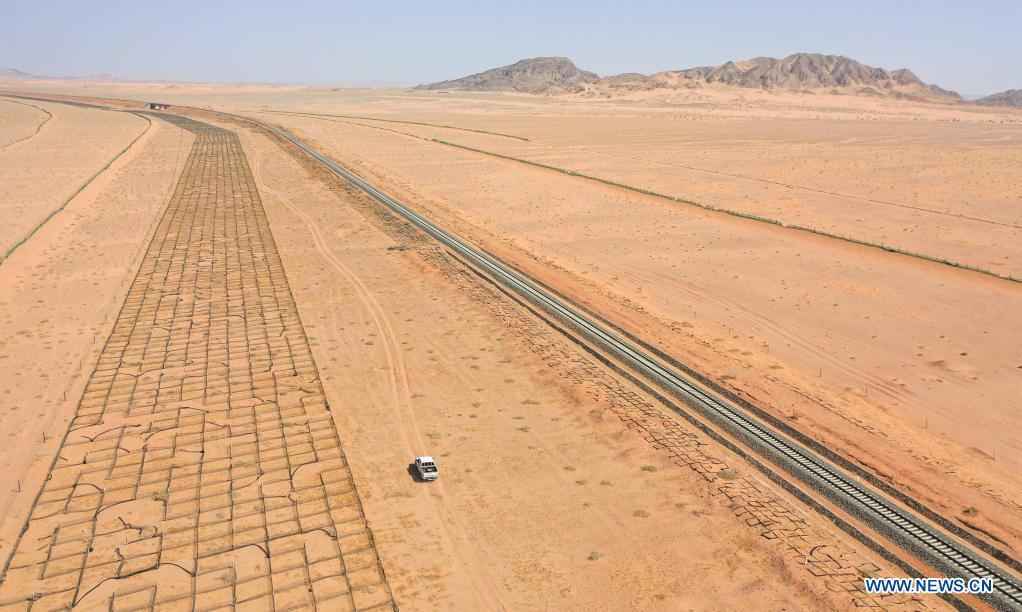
537 75
800 72
803 72
809 71
1012 97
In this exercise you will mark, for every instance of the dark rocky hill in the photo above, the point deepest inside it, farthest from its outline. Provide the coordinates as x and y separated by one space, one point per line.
537 75
1012 97
809 71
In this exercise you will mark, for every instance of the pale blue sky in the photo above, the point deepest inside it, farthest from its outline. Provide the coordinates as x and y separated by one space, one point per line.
972 47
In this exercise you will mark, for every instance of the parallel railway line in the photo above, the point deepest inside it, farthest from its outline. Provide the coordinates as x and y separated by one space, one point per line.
932 545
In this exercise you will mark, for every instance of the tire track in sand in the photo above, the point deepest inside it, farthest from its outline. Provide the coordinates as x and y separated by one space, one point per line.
485 587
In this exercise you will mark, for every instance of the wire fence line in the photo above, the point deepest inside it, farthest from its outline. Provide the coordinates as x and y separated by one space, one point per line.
28 235
49 116
406 122
737 213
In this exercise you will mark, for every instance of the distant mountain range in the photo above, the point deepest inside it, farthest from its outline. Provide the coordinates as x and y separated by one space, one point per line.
799 72
10 74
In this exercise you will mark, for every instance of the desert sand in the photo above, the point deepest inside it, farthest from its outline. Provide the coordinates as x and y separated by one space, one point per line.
910 367
407 352
40 173
834 175
516 438
61 291
907 366
20 120
493 401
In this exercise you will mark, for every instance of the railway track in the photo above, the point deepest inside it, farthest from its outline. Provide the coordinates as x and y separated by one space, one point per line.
932 545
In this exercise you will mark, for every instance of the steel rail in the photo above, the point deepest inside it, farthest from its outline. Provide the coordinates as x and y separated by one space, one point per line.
930 544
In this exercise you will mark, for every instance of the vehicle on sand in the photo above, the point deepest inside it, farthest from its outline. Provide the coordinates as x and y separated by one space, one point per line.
427 468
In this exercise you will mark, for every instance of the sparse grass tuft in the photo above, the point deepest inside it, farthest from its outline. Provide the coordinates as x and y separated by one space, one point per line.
866 572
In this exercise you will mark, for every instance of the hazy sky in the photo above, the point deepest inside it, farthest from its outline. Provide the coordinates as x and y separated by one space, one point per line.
970 46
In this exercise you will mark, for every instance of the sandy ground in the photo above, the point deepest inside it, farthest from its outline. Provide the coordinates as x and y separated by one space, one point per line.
410 363
841 176
19 120
202 466
41 172
61 291
874 352
910 368
542 503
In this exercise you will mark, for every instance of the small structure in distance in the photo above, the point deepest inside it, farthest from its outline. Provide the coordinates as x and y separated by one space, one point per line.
158 106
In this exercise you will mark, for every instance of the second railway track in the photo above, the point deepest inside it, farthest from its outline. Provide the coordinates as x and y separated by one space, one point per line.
927 542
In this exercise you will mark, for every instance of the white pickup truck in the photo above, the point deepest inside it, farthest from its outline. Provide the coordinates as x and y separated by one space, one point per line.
427 468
